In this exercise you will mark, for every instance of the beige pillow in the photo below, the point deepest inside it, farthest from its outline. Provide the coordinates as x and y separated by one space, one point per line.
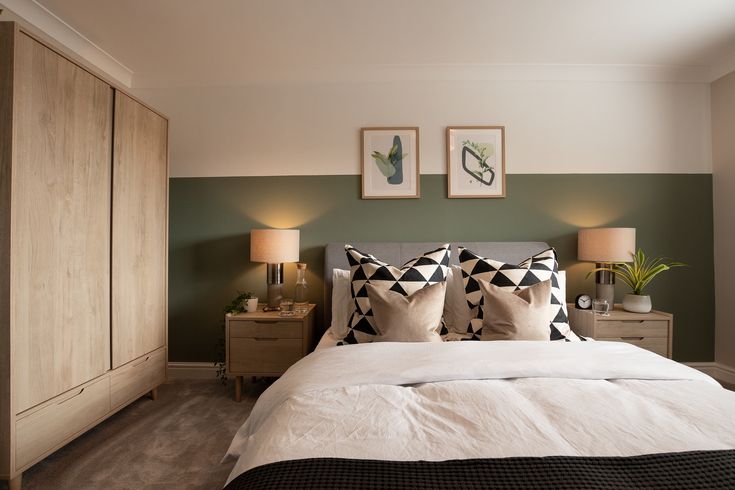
518 315
414 318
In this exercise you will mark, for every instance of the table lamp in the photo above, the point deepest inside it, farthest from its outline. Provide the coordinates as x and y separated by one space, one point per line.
274 247
606 246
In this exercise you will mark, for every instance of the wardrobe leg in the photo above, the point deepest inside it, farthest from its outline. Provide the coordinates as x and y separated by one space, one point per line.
154 394
15 483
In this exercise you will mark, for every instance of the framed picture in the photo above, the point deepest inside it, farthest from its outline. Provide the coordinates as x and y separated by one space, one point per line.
390 163
476 161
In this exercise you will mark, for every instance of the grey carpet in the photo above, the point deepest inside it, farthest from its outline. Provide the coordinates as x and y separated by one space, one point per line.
174 442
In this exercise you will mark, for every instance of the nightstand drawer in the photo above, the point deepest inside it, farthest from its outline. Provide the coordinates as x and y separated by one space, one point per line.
266 329
657 345
263 354
632 328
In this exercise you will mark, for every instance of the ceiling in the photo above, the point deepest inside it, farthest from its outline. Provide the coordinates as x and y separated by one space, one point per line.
235 41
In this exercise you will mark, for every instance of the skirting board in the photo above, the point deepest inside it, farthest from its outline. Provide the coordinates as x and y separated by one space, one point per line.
192 370
717 370
206 370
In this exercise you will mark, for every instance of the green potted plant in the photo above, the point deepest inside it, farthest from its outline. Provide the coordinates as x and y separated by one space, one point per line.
250 302
637 275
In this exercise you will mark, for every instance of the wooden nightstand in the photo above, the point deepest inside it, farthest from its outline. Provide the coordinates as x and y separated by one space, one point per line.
265 344
651 331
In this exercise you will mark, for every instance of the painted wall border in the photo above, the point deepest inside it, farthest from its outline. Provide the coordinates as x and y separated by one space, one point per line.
192 370
717 370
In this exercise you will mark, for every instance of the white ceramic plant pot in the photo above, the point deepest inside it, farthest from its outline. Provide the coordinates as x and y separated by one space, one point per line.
251 305
637 303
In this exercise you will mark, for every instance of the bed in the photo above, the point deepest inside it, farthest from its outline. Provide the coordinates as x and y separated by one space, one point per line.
508 414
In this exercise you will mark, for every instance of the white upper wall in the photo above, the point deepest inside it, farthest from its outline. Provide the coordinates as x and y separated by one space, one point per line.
551 126
282 87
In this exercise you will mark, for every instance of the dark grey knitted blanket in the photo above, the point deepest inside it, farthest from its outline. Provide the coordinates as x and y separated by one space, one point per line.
687 470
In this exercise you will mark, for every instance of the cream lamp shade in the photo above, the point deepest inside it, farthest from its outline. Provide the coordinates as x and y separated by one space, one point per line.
606 245
274 246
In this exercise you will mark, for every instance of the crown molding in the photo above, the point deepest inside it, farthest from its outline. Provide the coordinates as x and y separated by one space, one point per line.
722 67
42 19
304 74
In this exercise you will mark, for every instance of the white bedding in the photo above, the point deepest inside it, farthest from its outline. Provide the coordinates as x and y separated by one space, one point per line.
456 400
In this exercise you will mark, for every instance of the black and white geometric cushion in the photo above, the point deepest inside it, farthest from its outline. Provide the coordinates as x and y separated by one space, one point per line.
541 267
430 268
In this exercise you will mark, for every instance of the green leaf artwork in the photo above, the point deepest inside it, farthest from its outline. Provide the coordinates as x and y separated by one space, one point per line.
385 165
481 153
390 165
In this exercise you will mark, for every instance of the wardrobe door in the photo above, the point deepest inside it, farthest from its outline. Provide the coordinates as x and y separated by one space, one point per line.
60 231
139 200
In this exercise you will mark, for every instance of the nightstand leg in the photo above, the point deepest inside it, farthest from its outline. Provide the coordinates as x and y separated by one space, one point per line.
238 388
154 394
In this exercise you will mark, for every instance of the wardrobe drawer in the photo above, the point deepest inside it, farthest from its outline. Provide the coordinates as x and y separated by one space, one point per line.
266 329
263 355
43 429
632 328
132 380
658 345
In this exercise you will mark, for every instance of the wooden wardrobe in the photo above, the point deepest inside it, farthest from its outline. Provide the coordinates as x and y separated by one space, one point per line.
83 250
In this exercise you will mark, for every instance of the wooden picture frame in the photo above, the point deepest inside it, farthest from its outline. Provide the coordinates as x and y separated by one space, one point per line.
475 162
389 163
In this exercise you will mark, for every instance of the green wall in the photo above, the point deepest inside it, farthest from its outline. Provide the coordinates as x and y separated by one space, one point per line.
211 217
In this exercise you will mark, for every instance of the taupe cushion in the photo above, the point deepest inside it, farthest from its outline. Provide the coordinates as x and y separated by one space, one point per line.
516 315
413 318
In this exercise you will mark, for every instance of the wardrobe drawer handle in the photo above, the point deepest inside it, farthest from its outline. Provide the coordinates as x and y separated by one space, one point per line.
264 339
71 397
141 362
632 338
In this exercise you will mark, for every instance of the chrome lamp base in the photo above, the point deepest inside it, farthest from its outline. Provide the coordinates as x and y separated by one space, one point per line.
274 280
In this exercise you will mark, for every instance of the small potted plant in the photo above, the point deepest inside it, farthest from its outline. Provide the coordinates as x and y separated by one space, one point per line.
250 302
637 276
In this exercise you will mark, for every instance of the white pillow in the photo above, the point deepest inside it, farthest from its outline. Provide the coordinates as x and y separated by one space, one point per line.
342 303
563 285
457 313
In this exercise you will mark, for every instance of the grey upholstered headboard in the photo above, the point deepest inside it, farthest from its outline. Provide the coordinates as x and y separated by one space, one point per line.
398 253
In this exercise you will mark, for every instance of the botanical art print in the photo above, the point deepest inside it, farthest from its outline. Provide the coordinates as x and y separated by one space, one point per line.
390 163
476 161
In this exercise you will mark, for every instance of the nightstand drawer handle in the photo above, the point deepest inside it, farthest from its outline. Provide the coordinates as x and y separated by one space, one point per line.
265 321
264 339
632 321
632 338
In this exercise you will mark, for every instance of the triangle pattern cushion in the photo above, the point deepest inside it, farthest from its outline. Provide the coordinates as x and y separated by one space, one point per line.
541 267
430 268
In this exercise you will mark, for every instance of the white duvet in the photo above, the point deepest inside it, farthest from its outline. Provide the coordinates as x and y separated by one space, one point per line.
456 400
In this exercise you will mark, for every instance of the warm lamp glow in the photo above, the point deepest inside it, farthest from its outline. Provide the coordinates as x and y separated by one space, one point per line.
606 245
274 246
